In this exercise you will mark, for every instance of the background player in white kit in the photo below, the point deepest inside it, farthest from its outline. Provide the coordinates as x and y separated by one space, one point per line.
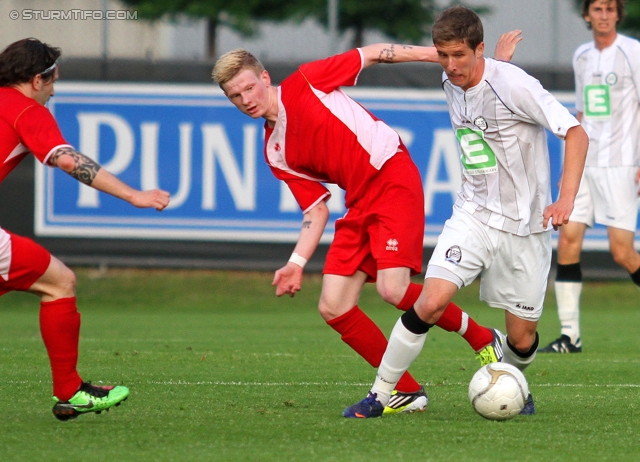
607 74
499 226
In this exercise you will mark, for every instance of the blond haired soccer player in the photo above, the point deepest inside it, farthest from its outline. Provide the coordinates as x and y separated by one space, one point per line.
314 134
499 228
28 71
607 74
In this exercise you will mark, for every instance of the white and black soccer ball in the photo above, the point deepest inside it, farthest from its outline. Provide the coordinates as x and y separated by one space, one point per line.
498 391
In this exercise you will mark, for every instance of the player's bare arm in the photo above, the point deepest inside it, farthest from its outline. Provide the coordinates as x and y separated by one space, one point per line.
576 144
89 172
389 53
288 279
506 46
75 164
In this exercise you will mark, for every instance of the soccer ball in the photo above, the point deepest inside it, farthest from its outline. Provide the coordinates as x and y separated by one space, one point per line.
498 391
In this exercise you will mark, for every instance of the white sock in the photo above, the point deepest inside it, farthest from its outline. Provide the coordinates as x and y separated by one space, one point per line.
403 348
568 299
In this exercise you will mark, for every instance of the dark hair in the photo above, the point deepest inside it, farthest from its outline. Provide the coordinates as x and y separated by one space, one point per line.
619 6
458 24
23 60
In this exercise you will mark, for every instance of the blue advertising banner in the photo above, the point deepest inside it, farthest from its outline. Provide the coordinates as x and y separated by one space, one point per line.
190 141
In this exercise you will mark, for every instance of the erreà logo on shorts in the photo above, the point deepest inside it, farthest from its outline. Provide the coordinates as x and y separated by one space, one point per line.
453 255
520 306
392 244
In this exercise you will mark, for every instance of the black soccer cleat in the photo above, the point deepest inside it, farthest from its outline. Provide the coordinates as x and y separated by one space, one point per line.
562 345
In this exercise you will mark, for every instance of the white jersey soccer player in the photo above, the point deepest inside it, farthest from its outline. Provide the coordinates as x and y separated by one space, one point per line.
608 96
499 228
607 76
500 125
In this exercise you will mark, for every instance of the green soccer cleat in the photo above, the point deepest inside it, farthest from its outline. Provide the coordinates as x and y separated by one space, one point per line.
492 353
407 403
89 398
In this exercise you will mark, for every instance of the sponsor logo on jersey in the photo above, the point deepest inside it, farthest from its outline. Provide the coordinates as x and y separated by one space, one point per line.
481 123
277 147
453 255
392 244
477 156
597 101
520 306
611 78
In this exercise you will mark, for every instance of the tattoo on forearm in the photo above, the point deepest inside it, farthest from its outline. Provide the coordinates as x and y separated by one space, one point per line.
306 224
387 55
84 170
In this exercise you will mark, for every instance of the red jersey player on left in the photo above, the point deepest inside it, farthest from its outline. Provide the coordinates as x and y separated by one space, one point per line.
28 70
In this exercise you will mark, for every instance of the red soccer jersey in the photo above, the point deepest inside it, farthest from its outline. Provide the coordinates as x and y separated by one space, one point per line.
25 126
322 135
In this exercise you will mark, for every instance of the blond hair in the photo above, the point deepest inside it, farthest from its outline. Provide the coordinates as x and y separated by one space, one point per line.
232 63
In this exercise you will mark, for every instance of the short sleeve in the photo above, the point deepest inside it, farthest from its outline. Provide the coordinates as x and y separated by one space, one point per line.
306 192
579 83
542 107
39 132
634 64
328 74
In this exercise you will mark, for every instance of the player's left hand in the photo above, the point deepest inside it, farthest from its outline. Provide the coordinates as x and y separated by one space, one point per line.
155 198
558 212
288 280
638 181
506 46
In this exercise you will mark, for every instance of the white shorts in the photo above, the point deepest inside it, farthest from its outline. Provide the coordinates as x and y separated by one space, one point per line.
513 269
608 196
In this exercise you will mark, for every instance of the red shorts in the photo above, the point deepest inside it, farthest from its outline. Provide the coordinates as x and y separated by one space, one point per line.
29 261
384 228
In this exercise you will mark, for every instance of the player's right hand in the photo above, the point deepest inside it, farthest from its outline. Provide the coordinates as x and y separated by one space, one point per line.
506 46
557 214
288 280
156 198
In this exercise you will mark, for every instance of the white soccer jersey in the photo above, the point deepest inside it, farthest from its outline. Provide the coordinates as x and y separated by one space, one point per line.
500 126
608 95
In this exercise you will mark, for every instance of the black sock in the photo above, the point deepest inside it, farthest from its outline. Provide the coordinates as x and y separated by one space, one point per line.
569 273
635 277
413 323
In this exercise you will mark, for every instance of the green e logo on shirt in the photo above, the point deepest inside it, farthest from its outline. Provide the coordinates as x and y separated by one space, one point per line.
477 157
596 101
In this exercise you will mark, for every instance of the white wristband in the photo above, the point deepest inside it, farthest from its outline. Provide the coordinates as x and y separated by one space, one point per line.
298 260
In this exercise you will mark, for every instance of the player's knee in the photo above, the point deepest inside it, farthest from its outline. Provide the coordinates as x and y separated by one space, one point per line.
430 309
622 255
66 283
522 344
329 310
391 292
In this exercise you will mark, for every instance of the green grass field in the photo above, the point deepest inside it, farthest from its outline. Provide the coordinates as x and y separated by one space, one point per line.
222 370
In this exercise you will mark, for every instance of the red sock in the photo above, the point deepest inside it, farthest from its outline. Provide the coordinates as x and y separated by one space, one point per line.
361 333
410 296
453 319
60 329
